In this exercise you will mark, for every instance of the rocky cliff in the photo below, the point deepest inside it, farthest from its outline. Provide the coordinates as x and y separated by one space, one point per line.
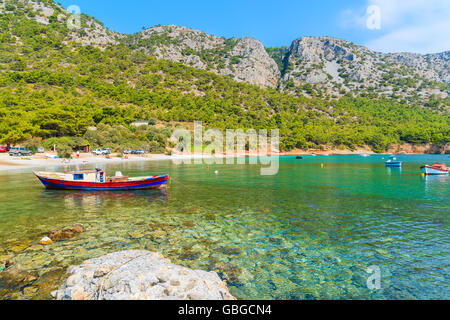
88 31
242 59
336 67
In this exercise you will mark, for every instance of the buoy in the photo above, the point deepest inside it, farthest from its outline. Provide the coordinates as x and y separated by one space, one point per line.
217 172
423 174
46 241
321 165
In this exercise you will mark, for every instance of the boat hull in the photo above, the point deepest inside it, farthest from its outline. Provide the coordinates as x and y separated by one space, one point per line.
394 164
428 170
144 184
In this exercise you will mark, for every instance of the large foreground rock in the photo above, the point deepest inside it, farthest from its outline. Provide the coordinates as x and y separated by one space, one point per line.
139 275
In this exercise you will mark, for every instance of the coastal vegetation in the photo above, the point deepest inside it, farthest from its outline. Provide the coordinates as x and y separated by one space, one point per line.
55 90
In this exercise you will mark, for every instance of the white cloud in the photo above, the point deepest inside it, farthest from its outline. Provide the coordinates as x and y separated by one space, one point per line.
421 26
420 39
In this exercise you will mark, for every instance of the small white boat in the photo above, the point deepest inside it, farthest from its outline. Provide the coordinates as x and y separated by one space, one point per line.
435 169
392 162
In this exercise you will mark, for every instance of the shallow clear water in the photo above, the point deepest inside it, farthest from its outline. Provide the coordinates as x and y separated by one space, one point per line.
306 233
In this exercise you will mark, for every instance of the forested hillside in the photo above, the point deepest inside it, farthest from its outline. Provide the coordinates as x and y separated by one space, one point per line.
52 87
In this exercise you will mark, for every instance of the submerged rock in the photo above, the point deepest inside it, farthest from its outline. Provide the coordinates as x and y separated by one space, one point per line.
78 228
15 276
139 275
65 234
230 272
20 247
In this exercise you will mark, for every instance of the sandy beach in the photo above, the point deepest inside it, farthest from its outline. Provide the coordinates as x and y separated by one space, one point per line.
41 160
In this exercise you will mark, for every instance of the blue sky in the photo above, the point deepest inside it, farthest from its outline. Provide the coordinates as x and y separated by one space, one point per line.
420 26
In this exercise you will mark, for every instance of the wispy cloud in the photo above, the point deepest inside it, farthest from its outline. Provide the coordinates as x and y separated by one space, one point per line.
421 26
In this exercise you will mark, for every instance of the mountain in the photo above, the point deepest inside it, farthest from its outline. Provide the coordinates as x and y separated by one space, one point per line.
56 82
312 66
92 31
336 67
242 59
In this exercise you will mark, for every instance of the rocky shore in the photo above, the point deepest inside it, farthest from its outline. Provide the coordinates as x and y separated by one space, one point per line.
139 275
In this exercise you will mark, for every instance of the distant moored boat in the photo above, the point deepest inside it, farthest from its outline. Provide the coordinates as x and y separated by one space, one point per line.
392 162
435 169
97 180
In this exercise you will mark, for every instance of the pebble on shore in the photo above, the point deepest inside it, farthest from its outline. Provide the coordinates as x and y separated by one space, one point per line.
46 241
139 275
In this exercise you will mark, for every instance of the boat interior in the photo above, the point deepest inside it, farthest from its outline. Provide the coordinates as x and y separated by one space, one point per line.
441 166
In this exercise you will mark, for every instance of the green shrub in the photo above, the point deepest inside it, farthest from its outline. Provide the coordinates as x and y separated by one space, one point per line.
10 7
33 144
64 151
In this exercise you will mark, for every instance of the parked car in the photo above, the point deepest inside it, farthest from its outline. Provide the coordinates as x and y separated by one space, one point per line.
3 149
139 151
40 150
96 152
20 151
126 151
102 152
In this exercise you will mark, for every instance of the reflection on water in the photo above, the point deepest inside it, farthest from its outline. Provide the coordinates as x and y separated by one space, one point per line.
86 199
310 232
435 178
393 170
437 183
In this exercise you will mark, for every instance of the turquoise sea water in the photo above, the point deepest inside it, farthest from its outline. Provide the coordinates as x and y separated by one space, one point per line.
306 233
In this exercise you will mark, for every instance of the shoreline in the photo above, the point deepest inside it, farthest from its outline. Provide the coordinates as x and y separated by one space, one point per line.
40 161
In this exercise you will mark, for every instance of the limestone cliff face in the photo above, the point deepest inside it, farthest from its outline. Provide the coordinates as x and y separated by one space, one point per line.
90 31
337 66
255 66
242 59
93 33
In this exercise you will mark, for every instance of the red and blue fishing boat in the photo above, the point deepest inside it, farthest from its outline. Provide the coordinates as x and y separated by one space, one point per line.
435 169
98 181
